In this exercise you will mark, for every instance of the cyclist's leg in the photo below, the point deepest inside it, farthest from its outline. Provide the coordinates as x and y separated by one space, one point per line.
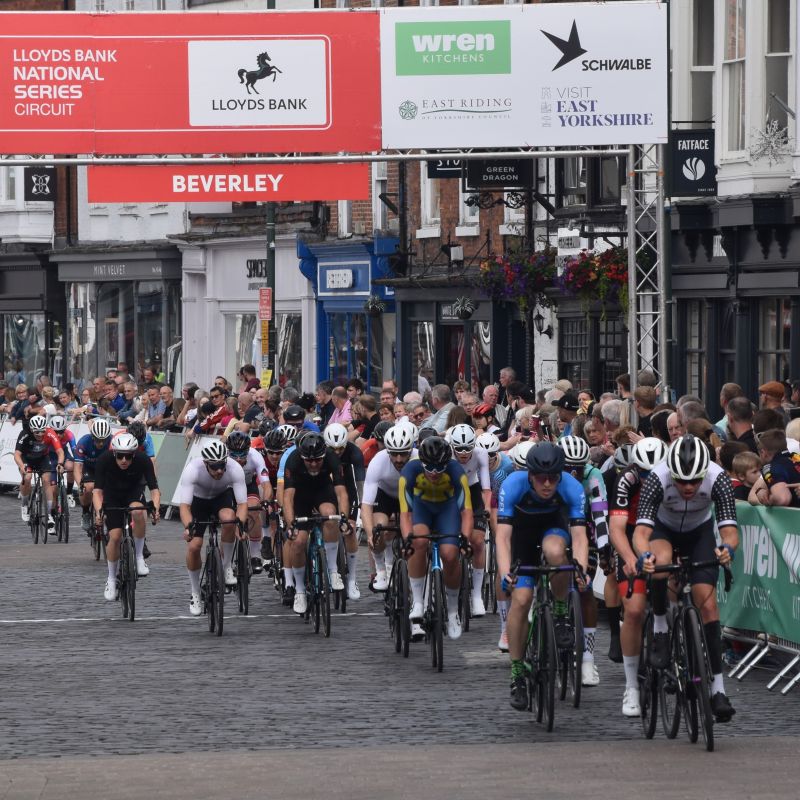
114 522
331 535
589 676
254 531
613 602
25 489
478 542
227 518
139 519
661 547
201 510
631 638
555 542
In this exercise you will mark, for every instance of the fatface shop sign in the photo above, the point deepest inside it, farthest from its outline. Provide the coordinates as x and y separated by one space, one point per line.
692 159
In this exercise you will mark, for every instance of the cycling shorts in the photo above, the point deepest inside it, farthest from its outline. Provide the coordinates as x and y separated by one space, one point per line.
476 496
386 504
306 505
205 508
528 531
698 544
116 519
443 518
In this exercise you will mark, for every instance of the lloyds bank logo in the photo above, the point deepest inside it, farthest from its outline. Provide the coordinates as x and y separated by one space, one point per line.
453 48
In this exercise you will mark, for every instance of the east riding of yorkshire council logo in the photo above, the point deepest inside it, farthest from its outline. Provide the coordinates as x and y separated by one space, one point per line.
453 48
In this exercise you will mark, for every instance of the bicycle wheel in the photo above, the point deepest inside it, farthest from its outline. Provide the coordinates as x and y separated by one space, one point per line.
437 621
33 521
243 575
122 574
546 667
96 543
464 593
41 514
131 577
648 682
391 601
342 569
63 514
489 589
700 673
324 593
217 574
687 694
671 689
575 657
403 592
278 578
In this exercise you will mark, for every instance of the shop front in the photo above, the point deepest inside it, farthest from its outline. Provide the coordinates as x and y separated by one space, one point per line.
122 305
32 318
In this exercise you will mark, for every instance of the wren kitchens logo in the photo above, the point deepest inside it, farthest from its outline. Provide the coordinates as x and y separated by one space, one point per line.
453 48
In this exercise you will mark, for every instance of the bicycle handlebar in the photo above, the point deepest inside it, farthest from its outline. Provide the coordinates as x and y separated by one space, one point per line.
682 566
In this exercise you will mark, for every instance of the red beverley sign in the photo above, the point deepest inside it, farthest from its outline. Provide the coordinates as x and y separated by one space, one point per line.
265 305
197 83
210 183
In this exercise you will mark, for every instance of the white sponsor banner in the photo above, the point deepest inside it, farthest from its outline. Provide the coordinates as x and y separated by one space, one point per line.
565 74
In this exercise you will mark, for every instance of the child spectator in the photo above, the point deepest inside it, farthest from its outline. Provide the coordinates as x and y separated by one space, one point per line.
746 471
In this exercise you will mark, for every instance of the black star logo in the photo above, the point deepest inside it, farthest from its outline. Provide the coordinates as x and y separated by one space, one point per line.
570 48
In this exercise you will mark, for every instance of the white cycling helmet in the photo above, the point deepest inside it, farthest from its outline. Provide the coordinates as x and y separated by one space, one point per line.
398 439
575 449
462 437
214 451
519 454
37 424
125 443
58 423
488 442
622 456
688 458
289 432
101 428
335 435
648 452
406 423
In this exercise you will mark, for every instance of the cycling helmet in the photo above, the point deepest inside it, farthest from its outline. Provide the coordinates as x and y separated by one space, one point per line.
622 456
58 423
687 458
576 450
294 413
275 440
434 453
462 437
519 454
289 433
266 426
213 452
101 429
489 442
424 433
137 429
381 430
648 452
125 443
37 424
545 458
312 446
335 435
238 444
405 422
398 439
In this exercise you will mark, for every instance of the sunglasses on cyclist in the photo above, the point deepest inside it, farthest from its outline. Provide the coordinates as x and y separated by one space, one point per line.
435 470
123 456
274 452
313 460
692 482
464 449
547 478
217 466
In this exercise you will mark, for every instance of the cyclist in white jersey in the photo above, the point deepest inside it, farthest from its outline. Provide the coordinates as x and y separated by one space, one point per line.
211 485
475 462
380 497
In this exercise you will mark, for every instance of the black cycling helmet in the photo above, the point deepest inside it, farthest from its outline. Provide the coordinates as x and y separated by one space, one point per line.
545 458
137 429
313 446
435 453
238 444
275 441
424 433
266 426
294 414
379 431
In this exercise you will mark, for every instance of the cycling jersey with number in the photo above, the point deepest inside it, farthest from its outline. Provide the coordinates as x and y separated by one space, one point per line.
87 452
35 450
382 475
196 481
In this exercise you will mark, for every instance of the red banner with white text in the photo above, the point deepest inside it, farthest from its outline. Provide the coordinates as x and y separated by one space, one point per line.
196 83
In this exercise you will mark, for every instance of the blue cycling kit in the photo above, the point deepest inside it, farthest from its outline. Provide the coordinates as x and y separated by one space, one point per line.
87 452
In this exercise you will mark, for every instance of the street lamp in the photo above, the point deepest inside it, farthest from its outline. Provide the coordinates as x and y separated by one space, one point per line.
538 323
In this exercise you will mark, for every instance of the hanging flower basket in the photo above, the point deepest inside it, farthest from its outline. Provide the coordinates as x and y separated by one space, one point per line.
374 306
519 278
597 277
464 307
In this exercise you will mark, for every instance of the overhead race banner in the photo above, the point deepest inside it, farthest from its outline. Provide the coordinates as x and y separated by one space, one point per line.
765 595
189 82
566 74
209 183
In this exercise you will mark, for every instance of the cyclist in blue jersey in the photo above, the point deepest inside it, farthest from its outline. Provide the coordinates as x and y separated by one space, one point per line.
434 496
540 507
89 448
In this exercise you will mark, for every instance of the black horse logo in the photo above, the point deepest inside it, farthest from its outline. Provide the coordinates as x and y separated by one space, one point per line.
249 77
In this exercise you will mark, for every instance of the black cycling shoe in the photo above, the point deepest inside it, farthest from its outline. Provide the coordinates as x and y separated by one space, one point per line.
722 708
659 651
519 693
256 565
615 650
145 551
288 596
266 549
564 635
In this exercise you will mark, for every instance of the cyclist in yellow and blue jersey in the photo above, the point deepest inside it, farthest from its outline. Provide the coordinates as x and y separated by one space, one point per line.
434 497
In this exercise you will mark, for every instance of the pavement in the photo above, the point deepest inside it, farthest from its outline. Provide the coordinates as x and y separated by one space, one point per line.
94 706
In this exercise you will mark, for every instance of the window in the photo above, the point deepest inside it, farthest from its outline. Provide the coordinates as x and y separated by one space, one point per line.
774 324
468 215
429 198
589 182
422 354
606 189
734 74
702 69
574 340
777 61
99 5
161 5
241 344
345 214
24 347
130 5
696 338
289 329
380 182
613 347
573 182
8 184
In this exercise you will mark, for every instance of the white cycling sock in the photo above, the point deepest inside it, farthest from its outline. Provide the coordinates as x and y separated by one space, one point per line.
588 644
112 570
49 508
266 533
331 549
717 684
502 610
288 577
660 623
23 499
352 560
139 546
631 665
380 561
452 600
417 589
227 553
389 557
255 549
300 580
477 582
194 580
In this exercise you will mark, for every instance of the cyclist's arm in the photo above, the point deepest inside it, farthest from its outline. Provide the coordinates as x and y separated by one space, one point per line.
598 506
18 460
650 497
342 500
725 510
404 499
185 511
759 493
580 542
78 472
465 501
618 534
503 543
366 519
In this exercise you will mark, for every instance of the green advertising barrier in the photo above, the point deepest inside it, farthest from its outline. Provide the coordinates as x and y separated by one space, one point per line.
171 455
765 595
